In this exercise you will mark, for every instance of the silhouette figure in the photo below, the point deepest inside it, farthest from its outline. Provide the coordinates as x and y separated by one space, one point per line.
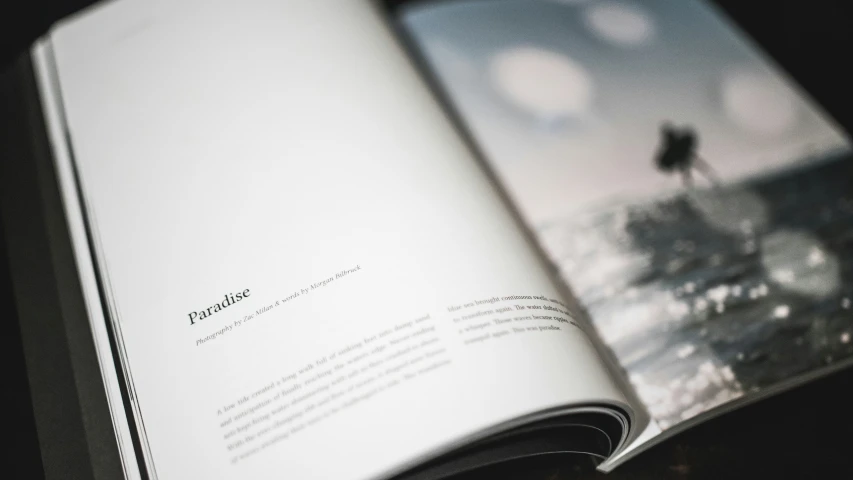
678 152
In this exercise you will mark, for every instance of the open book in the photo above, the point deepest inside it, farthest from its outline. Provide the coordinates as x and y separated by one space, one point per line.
436 235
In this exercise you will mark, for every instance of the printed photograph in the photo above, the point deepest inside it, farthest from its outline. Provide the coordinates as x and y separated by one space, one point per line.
694 199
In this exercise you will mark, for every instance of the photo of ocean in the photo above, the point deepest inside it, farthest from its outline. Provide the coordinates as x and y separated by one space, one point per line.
699 312
693 198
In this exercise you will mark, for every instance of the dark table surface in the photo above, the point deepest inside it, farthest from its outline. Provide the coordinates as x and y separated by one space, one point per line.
799 434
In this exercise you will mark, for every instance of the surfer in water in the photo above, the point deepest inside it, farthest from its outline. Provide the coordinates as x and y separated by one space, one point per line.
678 152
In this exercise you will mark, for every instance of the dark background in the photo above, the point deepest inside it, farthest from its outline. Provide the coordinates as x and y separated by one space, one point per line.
799 434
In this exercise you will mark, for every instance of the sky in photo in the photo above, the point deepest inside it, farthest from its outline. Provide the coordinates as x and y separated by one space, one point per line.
566 97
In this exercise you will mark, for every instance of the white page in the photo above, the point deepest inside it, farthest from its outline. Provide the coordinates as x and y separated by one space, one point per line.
261 147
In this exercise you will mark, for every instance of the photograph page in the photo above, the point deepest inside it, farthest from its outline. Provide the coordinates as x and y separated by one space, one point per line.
298 254
694 200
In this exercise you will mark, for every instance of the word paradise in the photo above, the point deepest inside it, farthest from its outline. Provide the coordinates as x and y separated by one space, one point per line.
230 299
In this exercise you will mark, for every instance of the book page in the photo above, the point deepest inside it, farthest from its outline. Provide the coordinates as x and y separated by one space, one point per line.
307 273
696 202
